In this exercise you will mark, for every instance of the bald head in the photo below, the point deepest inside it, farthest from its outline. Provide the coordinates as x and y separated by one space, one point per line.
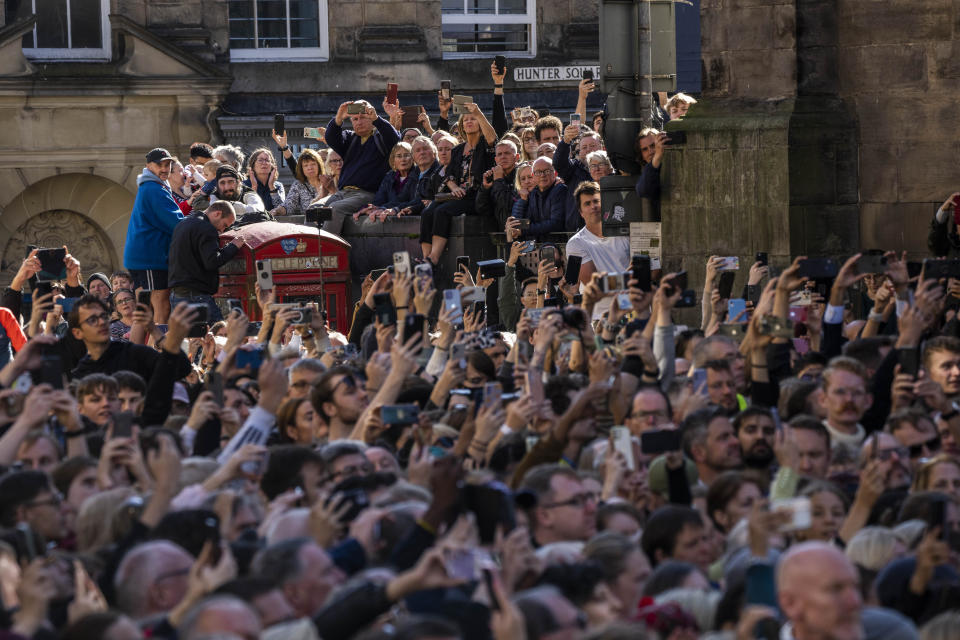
819 593
221 614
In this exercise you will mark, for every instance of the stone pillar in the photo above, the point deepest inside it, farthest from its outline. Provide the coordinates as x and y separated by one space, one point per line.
770 163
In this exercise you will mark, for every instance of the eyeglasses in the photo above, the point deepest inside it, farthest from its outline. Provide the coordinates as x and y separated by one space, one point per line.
597 165
335 161
94 320
578 501
543 172
300 384
54 501
350 381
932 446
124 300
643 415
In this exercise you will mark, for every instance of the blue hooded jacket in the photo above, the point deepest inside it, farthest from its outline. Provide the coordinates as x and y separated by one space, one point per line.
155 214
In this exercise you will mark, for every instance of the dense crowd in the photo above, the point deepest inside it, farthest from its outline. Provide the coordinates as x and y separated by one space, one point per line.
568 463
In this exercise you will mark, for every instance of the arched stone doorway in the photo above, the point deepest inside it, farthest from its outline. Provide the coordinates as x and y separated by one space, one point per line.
85 240
86 212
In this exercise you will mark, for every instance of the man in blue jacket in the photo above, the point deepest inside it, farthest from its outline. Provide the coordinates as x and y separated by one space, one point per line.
545 206
155 214
364 151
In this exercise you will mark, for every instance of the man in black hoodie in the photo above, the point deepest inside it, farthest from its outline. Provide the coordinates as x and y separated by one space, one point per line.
196 256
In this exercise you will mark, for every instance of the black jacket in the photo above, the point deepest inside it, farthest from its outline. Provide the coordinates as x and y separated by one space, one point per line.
126 356
196 256
497 201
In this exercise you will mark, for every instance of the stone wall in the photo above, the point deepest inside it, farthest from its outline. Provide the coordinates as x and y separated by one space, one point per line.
898 67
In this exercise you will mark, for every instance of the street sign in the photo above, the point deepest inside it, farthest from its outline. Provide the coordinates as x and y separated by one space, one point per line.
553 74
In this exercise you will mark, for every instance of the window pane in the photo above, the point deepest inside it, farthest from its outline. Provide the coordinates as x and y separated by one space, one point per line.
241 24
52 24
272 24
304 25
513 7
85 24
480 6
452 6
16 9
485 38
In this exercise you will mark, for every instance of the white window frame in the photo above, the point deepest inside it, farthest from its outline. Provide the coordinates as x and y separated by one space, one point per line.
529 18
79 53
288 53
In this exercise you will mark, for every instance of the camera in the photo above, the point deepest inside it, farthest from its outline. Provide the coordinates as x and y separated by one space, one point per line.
305 315
613 282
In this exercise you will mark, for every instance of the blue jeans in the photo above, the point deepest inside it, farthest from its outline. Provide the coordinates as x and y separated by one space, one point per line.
213 311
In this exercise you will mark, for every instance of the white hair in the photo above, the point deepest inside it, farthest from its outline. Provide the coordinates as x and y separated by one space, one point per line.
229 154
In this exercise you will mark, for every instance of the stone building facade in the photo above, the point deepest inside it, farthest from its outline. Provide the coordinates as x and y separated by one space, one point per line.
84 96
827 126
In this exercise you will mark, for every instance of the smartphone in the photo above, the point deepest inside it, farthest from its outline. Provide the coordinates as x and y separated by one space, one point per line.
640 271
587 74
399 414
52 266
401 262
678 281
384 310
729 263
776 327
575 119
27 543
799 509
463 261
572 273
872 263
412 325
938 517
235 303
423 270
734 330
524 223
51 368
452 303
123 424
676 137
461 564
278 124
459 102
252 358
491 594
658 441
458 352
392 91
529 246
202 313
445 89
700 381
818 268
501 63
211 534
762 258
312 132
44 287
736 306
265 273
909 361
214 384
492 392
534 315
725 285
798 314
623 442
548 252
67 304
688 299
492 268
472 295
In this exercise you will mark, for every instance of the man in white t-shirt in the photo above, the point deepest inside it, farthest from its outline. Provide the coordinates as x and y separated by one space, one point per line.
598 254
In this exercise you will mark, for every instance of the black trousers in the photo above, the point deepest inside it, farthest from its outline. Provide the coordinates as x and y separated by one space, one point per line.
437 218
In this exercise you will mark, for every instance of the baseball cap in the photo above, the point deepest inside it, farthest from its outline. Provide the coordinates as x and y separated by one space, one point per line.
158 155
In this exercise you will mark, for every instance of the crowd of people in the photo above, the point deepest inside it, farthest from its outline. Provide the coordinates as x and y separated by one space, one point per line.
576 465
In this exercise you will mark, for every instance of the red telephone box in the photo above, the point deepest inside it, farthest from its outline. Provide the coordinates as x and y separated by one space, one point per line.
309 265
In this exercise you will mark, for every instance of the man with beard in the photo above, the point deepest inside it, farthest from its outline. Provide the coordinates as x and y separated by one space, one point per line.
709 440
845 398
245 200
892 457
756 431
